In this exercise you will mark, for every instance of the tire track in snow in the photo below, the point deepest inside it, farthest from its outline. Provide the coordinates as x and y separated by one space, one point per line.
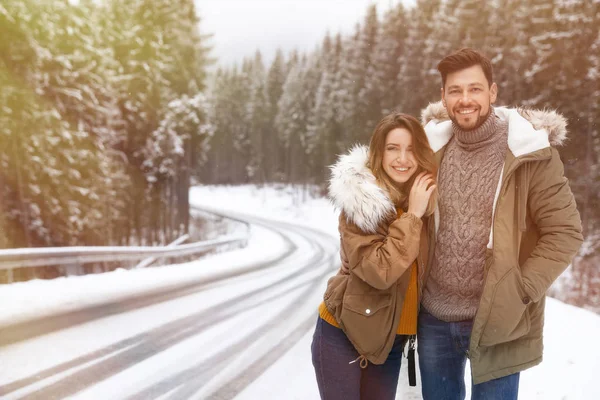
27 330
186 383
85 371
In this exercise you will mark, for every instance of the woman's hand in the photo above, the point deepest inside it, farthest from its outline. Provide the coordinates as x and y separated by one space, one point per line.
420 193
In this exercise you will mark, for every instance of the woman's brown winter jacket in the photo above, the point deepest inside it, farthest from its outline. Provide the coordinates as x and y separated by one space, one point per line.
377 252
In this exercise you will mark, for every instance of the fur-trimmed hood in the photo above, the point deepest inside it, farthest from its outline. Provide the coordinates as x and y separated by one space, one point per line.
353 189
528 130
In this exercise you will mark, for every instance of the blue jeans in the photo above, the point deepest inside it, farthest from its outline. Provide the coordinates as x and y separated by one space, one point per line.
339 380
442 349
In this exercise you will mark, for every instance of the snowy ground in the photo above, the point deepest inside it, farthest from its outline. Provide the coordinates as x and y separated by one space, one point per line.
569 370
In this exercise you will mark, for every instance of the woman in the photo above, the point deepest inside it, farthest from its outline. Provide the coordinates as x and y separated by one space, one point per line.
370 306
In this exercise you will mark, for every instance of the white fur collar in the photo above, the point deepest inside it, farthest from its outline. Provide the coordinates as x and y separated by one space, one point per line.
528 130
352 189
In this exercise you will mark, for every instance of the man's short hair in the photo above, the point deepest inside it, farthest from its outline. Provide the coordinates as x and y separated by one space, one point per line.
465 58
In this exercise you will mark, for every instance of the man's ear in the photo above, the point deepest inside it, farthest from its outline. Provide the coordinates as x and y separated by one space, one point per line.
442 93
493 92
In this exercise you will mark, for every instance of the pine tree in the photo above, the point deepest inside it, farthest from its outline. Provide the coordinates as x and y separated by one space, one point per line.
385 86
418 73
548 37
274 163
218 168
161 59
367 97
346 89
507 47
83 98
60 118
291 119
323 126
259 122
310 140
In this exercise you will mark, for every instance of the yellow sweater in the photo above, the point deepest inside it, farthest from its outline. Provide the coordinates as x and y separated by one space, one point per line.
408 318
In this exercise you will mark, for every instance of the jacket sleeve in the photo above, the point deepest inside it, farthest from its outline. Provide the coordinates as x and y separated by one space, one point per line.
553 209
378 259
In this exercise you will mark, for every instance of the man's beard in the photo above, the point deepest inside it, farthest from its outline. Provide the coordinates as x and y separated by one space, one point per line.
480 120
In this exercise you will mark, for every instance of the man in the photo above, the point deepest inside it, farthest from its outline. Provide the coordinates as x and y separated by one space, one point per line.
506 227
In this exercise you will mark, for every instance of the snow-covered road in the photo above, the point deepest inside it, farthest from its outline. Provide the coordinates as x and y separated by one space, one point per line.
209 336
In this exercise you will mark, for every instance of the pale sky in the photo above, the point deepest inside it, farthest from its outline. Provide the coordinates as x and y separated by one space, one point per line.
242 26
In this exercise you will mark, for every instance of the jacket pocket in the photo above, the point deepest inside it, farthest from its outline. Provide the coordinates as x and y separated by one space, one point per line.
367 320
367 304
508 317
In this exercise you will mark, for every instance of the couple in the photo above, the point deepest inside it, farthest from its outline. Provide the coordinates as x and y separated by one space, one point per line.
466 272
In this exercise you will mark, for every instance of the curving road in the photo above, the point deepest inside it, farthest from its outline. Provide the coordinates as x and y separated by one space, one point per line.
207 339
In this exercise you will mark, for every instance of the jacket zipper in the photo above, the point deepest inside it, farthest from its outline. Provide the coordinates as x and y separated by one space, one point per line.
431 239
489 263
